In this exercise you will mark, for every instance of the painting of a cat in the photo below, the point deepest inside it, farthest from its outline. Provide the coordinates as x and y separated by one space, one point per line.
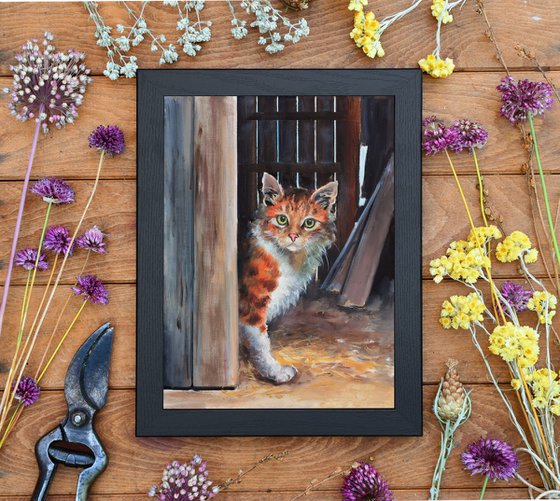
287 241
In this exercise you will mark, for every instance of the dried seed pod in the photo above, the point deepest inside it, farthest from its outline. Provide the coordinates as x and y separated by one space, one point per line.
452 396
296 4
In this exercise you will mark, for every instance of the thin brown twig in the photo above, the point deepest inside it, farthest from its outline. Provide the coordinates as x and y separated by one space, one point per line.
237 479
490 33
526 53
314 483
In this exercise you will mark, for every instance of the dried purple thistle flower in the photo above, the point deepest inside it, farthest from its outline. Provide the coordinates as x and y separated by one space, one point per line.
437 137
92 240
26 258
364 483
53 190
57 239
492 458
27 391
521 97
91 289
184 482
48 86
109 139
469 135
516 296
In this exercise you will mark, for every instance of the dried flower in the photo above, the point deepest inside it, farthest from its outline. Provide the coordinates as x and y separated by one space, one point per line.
492 458
364 483
57 239
184 482
452 397
92 240
469 135
516 296
437 137
296 4
441 8
26 258
54 190
436 67
48 86
27 391
91 289
519 98
109 139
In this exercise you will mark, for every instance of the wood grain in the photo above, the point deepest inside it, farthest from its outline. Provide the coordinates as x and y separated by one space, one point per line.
135 463
405 43
215 332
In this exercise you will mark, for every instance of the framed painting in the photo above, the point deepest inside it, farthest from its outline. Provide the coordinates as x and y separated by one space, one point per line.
279 253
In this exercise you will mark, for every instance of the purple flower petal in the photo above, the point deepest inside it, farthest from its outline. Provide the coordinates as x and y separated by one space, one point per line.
516 296
521 97
27 391
437 137
469 135
57 239
26 258
91 289
92 240
492 458
53 190
364 483
109 139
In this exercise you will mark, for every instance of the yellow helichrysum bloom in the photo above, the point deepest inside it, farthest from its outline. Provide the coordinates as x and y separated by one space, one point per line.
546 389
438 7
458 312
516 384
482 234
515 246
515 344
436 67
366 34
544 305
357 4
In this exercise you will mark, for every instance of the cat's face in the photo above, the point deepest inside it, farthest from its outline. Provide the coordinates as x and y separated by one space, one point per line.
296 219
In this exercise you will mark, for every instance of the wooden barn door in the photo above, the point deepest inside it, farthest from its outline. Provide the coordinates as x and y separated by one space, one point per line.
200 249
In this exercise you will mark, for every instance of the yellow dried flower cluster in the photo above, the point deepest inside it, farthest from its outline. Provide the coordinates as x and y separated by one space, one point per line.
538 304
545 388
515 343
437 67
514 246
461 311
482 234
439 9
366 30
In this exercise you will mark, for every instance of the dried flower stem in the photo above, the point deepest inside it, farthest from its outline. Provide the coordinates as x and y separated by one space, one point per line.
237 479
338 472
491 36
543 185
480 187
19 218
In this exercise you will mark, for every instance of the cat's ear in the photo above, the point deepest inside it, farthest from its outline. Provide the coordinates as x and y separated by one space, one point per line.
326 195
271 189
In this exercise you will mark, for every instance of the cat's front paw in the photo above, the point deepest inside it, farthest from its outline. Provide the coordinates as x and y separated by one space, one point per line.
285 374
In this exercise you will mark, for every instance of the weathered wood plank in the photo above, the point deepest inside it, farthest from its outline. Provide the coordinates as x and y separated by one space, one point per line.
215 342
308 458
405 43
503 154
178 247
113 210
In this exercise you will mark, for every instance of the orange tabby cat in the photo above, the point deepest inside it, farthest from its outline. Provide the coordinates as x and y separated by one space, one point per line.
288 238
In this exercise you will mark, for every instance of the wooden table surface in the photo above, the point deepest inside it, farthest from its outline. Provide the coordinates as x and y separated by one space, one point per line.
136 463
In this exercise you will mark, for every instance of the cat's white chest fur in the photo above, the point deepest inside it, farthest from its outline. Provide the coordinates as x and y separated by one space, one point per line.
291 284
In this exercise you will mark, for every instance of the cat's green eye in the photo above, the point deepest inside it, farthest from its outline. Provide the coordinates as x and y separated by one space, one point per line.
309 223
282 220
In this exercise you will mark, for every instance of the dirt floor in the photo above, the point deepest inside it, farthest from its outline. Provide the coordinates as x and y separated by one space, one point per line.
344 358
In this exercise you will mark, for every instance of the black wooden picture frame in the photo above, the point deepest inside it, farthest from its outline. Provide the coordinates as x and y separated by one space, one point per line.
406 417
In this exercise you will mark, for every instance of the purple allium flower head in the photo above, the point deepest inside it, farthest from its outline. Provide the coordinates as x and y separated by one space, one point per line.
492 458
184 482
364 483
516 296
469 135
27 391
92 240
91 289
48 86
437 137
26 258
57 239
109 139
54 190
521 97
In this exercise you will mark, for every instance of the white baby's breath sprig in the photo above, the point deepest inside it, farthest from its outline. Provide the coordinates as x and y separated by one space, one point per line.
268 21
195 32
